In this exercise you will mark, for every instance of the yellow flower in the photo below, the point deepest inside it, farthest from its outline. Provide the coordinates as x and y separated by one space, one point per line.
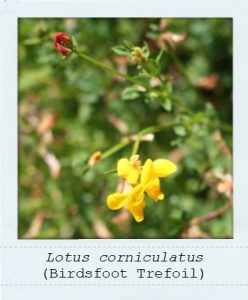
134 200
140 180
150 176
129 169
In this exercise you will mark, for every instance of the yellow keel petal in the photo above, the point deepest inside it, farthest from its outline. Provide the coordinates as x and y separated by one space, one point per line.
152 188
137 211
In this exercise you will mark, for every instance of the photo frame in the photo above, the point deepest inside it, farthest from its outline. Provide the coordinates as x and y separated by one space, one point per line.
27 263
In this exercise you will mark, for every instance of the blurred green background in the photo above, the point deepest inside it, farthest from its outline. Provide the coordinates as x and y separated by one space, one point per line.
68 109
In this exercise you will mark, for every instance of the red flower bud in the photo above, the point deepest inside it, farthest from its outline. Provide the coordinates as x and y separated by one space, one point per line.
63 42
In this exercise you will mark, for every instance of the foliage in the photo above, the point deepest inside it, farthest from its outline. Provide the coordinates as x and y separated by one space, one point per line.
178 88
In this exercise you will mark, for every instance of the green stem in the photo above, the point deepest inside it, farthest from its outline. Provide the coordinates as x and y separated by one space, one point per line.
136 145
122 145
110 172
109 152
129 78
145 131
153 129
107 68
114 149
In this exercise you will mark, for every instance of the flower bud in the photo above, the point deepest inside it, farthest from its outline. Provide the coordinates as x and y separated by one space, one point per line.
137 55
63 43
95 157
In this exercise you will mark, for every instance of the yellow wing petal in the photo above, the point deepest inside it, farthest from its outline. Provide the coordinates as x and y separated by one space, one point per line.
117 200
123 167
164 167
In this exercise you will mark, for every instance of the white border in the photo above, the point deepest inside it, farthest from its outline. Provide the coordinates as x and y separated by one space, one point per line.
178 8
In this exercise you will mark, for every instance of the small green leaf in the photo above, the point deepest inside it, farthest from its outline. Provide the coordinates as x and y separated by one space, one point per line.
152 67
180 130
167 104
143 77
130 93
152 96
152 35
158 58
154 27
146 52
168 87
121 50
74 43
176 142
128 44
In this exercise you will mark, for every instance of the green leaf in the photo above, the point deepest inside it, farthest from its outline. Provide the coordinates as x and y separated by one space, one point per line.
152 96
74 43
158 58
154 27
143 77
128 44
146 52
152 67
180 130
176 142
121 50
152 35
167 104
167 87
130 93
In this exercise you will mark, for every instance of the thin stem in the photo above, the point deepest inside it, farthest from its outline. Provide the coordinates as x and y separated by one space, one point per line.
136 145
153 129
129 78
110 172
212 215
108 69
114 149
145 131
109 152
122 145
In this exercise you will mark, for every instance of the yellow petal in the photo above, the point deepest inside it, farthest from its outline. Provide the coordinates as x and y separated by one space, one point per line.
136 203
123 167
128 170
137 195
152 188
148 172
137 211
117 200
133 176
164 167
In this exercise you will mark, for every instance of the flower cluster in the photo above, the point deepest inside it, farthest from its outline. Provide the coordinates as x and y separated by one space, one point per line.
140 180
